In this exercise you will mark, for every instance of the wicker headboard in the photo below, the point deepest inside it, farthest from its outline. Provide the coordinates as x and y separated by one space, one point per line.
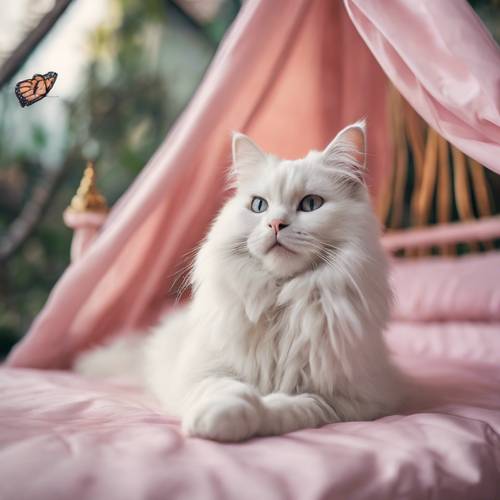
433 183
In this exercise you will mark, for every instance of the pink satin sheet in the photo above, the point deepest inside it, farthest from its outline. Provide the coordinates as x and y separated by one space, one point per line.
62 436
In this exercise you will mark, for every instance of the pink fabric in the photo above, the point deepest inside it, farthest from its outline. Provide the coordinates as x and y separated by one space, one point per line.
444 62
437 288
291 82
65 437
86 226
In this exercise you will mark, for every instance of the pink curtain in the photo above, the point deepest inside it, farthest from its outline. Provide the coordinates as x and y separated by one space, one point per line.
290 74
444 62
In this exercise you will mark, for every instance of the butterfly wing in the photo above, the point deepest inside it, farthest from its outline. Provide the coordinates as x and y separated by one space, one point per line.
30 91
34 89
50 79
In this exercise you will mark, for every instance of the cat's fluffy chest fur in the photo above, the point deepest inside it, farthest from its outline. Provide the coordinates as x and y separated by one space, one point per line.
274 352
290 298
281 341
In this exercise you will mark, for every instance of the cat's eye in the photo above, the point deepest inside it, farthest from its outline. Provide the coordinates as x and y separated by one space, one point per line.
310 202
258 205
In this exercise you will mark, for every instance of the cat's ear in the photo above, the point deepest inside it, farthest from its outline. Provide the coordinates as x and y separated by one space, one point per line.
246 154
348 149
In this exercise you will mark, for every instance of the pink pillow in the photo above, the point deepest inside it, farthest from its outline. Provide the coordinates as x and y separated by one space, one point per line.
442 288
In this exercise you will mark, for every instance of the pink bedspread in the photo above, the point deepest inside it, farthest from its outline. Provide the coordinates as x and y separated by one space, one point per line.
63 437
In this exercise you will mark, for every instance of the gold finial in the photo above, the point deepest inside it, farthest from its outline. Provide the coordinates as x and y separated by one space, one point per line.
87 197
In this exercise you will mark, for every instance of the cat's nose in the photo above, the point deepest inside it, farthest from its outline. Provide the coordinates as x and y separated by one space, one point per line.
277 225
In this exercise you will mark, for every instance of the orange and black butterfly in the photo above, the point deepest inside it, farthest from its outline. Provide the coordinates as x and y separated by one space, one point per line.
34 89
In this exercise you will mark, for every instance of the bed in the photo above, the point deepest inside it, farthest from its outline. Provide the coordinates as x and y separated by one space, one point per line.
65 437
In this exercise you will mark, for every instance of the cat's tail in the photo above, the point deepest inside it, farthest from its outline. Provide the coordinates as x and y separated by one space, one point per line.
120 359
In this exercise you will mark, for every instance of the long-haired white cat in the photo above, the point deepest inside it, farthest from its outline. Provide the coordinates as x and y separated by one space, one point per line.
290 297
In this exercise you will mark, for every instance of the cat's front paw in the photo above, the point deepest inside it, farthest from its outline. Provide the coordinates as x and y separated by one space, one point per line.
232 419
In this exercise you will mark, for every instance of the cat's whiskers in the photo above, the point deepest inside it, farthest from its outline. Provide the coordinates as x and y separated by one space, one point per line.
321 249
182 276
324 251
345 271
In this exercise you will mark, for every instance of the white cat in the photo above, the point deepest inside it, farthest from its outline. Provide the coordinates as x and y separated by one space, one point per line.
290 297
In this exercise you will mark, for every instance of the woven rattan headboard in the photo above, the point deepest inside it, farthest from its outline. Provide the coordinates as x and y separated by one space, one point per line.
432 182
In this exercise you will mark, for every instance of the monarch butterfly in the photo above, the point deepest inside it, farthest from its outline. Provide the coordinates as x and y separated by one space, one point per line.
34 89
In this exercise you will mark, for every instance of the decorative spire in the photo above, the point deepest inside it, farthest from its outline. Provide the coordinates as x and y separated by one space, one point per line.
87 197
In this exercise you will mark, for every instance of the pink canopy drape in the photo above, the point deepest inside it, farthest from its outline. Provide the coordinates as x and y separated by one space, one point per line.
444 62
291 82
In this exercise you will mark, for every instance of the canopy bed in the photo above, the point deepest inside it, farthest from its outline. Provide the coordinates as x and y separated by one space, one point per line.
427 76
